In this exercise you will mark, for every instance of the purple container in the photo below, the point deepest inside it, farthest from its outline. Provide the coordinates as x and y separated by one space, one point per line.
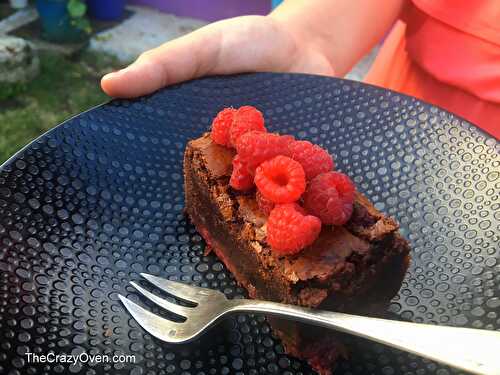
107 10
209 10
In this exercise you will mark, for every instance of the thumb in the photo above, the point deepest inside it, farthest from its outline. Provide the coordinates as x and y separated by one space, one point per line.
182 59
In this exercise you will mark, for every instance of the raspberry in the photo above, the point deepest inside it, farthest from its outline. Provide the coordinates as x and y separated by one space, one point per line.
221 125
330 196
265 205
256 147
241 179
245 119
289 230
313 158
281 179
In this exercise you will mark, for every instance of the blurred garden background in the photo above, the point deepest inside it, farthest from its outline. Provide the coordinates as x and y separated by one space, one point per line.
64 86
54 52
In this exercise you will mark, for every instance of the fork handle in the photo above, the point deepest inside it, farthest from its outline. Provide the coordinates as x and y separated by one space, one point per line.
473 350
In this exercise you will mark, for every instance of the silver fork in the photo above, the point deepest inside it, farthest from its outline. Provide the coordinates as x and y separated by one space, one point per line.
474 350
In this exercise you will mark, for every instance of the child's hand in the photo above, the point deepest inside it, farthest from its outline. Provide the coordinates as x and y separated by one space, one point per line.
243 44
321 37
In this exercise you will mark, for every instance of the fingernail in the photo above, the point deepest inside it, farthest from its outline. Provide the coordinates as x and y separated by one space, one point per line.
110 75
115 74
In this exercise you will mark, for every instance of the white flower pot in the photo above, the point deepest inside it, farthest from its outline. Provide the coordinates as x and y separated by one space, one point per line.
18 4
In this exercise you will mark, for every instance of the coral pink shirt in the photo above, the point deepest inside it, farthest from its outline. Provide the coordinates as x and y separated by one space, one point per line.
446 52
458 44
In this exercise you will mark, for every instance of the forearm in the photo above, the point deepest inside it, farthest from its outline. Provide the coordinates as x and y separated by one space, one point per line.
341 30
324 37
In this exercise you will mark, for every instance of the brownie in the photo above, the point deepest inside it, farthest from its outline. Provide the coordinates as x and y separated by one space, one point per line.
355 268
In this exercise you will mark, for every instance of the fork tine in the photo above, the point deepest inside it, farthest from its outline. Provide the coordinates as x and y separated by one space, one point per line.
188 293
160 328
172 307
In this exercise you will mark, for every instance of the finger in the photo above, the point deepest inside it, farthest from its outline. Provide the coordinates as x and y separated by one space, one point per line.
242 44
182 59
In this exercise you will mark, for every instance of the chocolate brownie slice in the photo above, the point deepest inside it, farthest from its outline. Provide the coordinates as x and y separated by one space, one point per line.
354 268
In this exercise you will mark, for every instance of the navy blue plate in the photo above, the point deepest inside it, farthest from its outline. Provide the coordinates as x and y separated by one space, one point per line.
91 204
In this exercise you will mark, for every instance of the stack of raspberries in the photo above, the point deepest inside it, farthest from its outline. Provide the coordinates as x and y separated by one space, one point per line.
297 186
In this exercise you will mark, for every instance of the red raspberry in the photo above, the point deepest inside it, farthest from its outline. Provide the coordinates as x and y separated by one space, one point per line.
289 229
330 196
313 158
256 147
241 179
221 125
245 119
265 205
281 179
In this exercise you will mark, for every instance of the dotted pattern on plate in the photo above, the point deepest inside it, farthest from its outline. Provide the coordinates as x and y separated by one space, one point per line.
99 199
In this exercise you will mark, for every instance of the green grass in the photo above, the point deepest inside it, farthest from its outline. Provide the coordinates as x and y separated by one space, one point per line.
65 87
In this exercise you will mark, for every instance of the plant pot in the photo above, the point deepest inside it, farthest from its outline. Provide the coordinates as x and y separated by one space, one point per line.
56 22
18 4
107 10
